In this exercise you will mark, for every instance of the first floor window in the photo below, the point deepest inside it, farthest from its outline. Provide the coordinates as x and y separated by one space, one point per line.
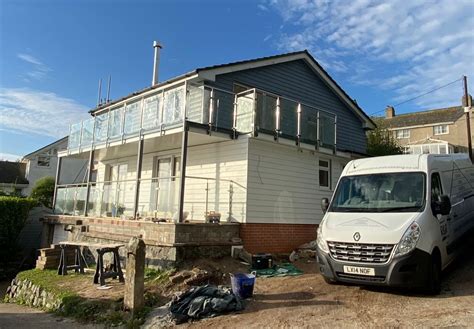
324 173
402 133
440 130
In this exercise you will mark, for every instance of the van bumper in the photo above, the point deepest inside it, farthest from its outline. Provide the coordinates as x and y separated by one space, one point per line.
407 271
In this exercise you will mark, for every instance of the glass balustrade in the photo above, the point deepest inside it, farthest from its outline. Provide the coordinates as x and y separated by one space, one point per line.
247 112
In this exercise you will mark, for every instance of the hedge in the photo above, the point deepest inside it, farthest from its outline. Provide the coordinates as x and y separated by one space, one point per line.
13 215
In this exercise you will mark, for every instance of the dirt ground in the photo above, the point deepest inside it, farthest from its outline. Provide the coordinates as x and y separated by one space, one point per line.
306 301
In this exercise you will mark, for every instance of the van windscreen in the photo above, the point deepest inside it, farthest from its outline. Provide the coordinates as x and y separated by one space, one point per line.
388 192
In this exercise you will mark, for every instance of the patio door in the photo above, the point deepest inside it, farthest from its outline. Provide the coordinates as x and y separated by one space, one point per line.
117 178
165 184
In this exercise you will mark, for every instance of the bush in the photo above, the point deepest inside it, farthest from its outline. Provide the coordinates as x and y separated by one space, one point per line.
13 215
43 191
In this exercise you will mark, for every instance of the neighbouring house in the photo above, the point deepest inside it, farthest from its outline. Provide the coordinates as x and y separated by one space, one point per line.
12 177
438 131
253 145
42 163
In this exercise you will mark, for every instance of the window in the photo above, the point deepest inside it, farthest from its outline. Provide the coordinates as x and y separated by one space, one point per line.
324 173
402 133
441 130
43 161
390 192
436 188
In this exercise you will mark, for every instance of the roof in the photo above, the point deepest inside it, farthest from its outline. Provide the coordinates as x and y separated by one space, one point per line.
208 72
449 114
428 140
12 172
45 147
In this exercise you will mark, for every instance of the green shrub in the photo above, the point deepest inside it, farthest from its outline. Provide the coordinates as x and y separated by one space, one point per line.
13 215
43 191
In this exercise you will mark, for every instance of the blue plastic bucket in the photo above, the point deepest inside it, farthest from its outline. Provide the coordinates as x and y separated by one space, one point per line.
242 284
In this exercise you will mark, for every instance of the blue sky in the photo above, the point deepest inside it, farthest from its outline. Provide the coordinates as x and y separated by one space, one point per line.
53 52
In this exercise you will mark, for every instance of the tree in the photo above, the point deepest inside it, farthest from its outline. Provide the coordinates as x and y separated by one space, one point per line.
381 141
43 191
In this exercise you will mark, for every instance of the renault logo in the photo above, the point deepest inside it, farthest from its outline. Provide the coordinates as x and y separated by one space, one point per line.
356 236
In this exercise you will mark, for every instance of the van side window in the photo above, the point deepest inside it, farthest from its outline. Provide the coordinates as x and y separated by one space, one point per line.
436 188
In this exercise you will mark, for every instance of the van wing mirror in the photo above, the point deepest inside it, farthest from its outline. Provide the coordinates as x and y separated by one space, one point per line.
441 207
324 204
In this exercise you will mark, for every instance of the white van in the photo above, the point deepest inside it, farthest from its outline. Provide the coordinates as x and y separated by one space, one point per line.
397 220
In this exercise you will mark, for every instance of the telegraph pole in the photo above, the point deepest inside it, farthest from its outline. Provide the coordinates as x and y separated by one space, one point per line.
467 110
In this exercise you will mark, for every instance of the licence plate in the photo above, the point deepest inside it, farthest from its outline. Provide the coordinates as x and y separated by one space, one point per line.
369 271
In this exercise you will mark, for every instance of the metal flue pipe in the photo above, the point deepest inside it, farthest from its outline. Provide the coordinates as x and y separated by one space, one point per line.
157 46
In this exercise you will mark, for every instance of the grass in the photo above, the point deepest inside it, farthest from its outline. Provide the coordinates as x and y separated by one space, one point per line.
108 312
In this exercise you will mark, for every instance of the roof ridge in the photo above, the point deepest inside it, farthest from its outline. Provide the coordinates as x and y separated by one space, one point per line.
428 111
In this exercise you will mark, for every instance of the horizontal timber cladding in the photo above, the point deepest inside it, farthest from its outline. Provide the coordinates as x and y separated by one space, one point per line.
219 162
276 238
283 184
297 80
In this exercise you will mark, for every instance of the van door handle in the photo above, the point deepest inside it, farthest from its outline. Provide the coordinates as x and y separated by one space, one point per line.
448 219
455 215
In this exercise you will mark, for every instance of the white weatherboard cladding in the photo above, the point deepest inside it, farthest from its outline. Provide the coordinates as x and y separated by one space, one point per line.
283 184
219 162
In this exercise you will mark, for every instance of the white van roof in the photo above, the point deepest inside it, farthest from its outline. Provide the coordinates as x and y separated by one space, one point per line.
402 162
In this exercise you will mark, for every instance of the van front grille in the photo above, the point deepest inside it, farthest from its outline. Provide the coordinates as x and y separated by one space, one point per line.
360 252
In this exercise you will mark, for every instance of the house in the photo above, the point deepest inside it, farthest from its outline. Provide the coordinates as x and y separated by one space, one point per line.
12 177
437 131
42 163
253 145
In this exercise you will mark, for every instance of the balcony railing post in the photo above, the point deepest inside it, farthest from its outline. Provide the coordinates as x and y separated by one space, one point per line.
211 111
277 119
89 178
108 129
207 199
298 124
139 175
231 196
80 136
318 131
161 110
122 124
254 124
56 183
93 132
335 134
234 119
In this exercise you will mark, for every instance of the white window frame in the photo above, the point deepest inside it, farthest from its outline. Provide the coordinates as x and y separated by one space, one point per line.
328 170
402 133
436 133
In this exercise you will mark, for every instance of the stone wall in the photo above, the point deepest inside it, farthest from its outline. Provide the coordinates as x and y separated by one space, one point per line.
26 293
167 243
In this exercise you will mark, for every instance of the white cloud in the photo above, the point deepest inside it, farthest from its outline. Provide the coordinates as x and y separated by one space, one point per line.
37 112
39 69
409 46
9 157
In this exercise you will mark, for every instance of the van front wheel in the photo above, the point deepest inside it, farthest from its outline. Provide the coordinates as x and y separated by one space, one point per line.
433 286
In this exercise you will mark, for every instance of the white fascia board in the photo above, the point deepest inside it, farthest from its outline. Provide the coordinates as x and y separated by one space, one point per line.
210 74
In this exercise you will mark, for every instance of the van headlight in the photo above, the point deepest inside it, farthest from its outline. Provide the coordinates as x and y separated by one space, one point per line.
409 240
322 245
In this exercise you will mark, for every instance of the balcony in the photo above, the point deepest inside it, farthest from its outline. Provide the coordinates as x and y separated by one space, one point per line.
158 199
159 112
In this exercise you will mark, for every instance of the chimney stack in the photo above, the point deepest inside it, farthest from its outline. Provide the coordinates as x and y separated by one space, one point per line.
157 46
389 112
